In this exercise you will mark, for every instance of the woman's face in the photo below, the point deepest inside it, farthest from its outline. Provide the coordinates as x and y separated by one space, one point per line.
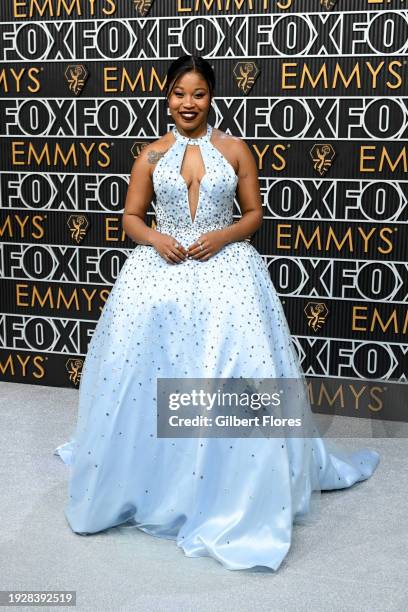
189 101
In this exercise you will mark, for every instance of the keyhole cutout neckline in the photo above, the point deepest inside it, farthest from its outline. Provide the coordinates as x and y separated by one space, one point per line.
195 141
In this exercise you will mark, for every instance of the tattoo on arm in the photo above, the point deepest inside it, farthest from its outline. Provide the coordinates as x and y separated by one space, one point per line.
154 156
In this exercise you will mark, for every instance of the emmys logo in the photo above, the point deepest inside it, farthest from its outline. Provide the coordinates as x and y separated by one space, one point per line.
137 147
142 6
76 77
74 368
316 314
78 225
328 4
322 156
246 74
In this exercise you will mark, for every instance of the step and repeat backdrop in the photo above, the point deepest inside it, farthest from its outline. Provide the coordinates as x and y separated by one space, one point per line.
317 88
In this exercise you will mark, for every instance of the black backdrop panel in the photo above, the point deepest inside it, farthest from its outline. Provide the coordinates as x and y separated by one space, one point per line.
318 89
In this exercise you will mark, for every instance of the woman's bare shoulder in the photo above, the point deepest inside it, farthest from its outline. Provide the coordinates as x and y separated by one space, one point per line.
153 151
235 149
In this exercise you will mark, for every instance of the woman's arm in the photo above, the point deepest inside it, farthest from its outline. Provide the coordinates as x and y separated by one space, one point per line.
139 195
248 196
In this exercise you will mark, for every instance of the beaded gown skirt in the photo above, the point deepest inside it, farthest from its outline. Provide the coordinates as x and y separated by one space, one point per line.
233 499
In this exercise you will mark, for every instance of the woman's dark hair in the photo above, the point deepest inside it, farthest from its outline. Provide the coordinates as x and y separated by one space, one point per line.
188 63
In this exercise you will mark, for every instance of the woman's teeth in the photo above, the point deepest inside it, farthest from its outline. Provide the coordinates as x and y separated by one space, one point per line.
188 115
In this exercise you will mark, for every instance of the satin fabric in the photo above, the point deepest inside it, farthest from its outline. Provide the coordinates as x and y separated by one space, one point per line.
235 500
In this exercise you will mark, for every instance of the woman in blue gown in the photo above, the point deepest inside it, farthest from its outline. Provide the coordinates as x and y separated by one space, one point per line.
193 300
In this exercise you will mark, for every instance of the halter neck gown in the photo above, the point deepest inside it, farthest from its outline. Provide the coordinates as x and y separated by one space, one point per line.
235 500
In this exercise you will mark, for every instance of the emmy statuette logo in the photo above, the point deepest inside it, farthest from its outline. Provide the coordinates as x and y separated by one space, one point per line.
322 156
78 226
76 76
74 369
142 6
328 4
245 74
316 314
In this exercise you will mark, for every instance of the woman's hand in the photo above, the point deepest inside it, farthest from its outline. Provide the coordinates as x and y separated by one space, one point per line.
169 248
211 243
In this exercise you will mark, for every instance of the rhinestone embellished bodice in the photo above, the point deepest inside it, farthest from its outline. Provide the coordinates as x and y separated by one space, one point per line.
216 194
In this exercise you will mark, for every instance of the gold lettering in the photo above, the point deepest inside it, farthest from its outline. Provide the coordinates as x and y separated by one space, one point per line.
383 231
89 297
59 154
380 402
110 3
375 320
17 76
62 4
22 223
154 78
139 76
58 8
23 361
276 152
356 317
260 155
281 234
6 225
101 148
295 75
338 72
286 75
366 237
106 78
384 326
374 72
323 239
385 157
16 4
111 227
324 394
300 236
56 298
357 395
87 151
183 9
52 157
37 223
322 72
347 237
46 5
398 76
15 151
364 157
32 72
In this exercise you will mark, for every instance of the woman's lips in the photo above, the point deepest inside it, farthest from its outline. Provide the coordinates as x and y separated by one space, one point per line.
189 116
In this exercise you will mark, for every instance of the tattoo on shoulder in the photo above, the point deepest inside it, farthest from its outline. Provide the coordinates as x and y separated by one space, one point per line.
154 156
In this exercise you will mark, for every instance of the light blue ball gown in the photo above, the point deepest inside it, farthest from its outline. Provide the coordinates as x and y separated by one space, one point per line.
235 500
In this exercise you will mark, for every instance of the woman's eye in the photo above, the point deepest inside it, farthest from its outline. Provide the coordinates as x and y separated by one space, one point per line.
179 93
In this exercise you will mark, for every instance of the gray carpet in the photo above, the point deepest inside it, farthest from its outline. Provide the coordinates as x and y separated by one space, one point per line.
353 558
